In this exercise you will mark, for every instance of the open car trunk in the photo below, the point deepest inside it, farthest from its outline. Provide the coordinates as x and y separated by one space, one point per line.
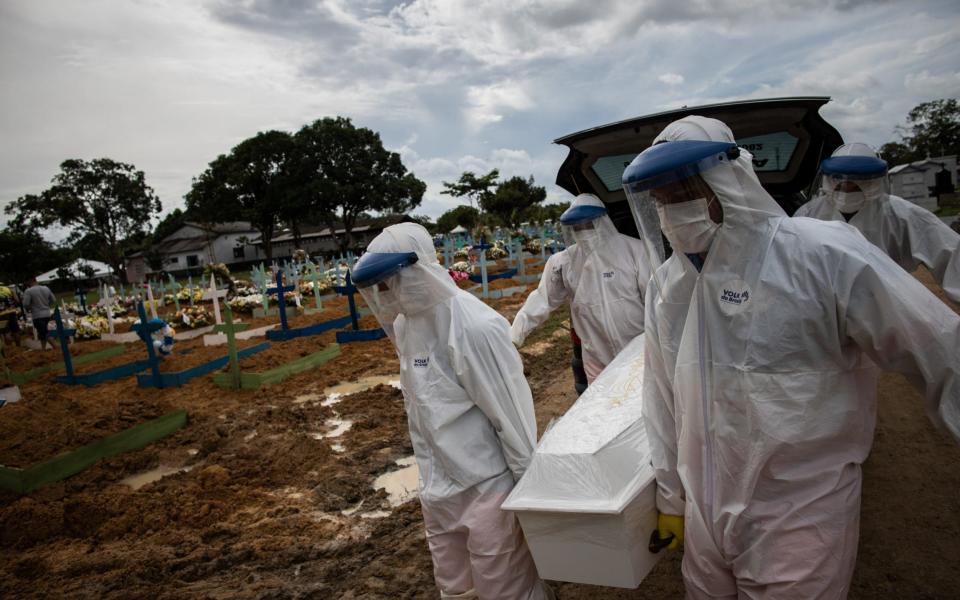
787 137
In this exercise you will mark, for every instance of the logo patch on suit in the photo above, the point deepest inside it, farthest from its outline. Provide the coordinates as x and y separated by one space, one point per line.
734 296
608 274
421 363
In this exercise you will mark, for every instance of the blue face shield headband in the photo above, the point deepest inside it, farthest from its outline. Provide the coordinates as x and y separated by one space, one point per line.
856 168
575 215
374 267
670 162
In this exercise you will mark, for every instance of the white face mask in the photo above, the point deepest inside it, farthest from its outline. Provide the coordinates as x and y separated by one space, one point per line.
688 225
587 238
848 202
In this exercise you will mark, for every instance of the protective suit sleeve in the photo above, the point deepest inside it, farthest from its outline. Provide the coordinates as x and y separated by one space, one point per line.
660 418
490 370
903 327
937 246
550 295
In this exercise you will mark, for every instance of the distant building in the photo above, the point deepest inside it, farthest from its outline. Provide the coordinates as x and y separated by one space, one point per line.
318 240
915 181
195 245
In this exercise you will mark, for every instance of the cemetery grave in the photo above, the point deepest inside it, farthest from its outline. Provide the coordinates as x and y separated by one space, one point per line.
277 493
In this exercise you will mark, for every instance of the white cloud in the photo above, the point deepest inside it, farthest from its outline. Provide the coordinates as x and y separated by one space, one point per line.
486 104
671 78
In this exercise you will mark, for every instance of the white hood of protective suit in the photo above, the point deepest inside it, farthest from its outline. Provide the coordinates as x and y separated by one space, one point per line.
909 234
605 287
760 387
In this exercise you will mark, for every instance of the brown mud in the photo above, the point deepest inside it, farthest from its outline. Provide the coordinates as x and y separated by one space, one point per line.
259 512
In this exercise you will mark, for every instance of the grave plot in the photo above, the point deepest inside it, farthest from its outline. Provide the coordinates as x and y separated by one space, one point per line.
28 365
185 364
281 365
60 431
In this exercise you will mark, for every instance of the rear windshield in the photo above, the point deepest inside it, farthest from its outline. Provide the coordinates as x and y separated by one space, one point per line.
771 152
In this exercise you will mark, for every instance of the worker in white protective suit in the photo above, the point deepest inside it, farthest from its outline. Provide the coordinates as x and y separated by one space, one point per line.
603 276
469 410
762 336
853 186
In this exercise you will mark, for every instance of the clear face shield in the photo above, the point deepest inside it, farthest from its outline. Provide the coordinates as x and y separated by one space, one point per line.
586 234
850 183
580 225
377 275
670 201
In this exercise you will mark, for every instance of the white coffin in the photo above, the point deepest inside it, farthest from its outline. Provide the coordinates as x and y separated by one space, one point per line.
587 503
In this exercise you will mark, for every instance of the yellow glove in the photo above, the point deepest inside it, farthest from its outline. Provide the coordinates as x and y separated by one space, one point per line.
670 526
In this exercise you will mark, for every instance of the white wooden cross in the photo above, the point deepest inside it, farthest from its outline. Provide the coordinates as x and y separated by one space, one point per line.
214 294
153 304
108 301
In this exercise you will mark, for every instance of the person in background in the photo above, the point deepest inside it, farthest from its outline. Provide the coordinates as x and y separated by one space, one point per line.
763 336
853 187
469 411
603 276
37 301
9 312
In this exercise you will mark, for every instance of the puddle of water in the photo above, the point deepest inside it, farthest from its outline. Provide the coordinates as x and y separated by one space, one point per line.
306 398
400 485
339 427
336 393
375 514
139 480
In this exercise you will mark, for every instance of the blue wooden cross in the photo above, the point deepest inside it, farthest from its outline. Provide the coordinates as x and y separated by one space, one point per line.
279 290
81 297
144 330
63 335
357 335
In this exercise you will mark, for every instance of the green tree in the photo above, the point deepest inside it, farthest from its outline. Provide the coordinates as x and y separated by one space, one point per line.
549 212
25 254
102 198
474 189
514 201
465 216
253 183
344 171
932 129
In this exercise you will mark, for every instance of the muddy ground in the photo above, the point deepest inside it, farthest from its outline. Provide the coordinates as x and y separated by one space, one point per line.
258 508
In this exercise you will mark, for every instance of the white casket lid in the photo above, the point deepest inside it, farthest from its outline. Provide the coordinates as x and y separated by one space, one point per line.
595 459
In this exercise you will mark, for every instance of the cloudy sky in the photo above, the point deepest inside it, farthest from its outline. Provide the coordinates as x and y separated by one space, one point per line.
453 85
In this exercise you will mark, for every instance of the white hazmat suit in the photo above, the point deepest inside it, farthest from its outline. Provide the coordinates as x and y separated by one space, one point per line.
471 419
909 234
603 276
760 399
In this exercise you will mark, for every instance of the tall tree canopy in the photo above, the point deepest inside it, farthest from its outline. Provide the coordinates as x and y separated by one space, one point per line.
344 171
514 200
101 199
25 254
476 190
932 129
253 183
466 216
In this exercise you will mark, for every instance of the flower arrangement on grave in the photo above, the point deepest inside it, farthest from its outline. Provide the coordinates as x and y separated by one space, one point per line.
100 310
193 317
245 303
90 327
498 251
462 266
533 244
324 284
300 255
219 270
458 275
242 287
462 253
72 307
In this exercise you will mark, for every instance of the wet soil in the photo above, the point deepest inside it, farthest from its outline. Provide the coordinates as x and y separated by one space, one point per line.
259 514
